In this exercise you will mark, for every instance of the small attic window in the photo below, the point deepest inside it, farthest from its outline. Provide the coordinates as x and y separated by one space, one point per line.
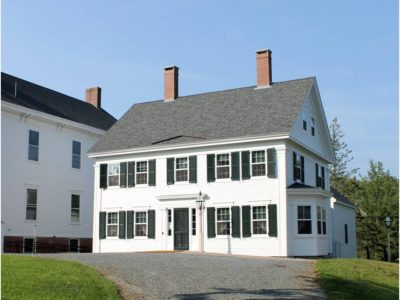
304 120
312 126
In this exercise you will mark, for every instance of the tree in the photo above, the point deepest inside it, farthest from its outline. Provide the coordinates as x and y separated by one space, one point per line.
340 168
378 198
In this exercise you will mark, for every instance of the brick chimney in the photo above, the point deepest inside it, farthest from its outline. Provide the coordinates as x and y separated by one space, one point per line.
171 83
93 96
264 68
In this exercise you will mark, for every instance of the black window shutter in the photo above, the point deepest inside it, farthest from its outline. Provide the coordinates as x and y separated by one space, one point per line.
302 168
294 166
211 222
131 174
245 164
235 158
129 224
170 170
210 167
192 169
246 219
122 174
102 223
323 177
151 231
272 220
271 156
152 172
103 176
122 222
235 221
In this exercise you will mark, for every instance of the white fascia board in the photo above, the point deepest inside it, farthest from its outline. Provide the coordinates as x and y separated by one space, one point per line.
47 118
327 160
343 204
178 197
229 141
309 191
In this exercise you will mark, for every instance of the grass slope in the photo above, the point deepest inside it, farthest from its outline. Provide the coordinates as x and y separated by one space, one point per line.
25 277
358 279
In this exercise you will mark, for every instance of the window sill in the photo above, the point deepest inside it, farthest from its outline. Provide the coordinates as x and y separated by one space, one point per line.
76 170
140 238
112 238
72 223
35 162
31 221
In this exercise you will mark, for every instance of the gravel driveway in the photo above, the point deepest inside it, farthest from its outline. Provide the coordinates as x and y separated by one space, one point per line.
186 275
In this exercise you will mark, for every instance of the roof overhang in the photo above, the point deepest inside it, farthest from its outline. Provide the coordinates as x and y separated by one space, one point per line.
309 191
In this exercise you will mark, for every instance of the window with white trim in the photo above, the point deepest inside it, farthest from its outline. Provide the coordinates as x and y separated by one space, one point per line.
223 166
76 155
304 223
113 175
182 169
223 221
297 167
75 208
259 220
305 117
141 223
112 224
141 172
31 204
33 148
258 163
312 126
321 220
194 221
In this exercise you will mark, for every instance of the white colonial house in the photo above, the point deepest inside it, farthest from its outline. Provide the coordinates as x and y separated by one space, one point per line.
47 177
241 171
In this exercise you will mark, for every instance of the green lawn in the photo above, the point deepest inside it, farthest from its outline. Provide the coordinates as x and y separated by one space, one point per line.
25 277
358 279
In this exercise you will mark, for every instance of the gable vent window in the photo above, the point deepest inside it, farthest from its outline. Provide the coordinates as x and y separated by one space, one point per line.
33 149
141 172
182 169
312 126
76 155
223 166
113 174
258 163
223 221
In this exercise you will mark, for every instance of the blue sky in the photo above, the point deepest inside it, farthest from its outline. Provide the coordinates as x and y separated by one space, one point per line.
123 46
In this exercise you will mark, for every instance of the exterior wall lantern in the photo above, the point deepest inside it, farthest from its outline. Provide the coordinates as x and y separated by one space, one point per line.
387 223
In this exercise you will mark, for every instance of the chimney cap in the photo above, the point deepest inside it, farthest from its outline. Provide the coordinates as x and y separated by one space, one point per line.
170 68
263 51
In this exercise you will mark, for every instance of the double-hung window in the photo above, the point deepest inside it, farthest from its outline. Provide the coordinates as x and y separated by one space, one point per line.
76 155
321 220
320 176
31 204
113 174
75 208
223 166
297 166
182 169
312 126
169 221
112 224
141 223
33 149
304 224
305 116
141 172
258 163
223 221
259 220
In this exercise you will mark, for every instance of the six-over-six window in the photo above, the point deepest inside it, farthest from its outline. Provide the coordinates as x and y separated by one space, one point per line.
223 169
223 221
182 169
141 223
259 220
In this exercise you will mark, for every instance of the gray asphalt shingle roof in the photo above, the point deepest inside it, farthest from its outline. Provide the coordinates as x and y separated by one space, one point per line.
226 114
45 100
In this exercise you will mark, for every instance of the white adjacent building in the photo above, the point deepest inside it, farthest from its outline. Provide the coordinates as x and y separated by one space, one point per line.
47 178
241 171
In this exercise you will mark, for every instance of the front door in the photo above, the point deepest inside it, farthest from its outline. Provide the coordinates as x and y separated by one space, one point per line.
181 229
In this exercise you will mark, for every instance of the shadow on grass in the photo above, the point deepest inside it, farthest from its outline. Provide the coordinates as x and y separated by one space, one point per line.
339 288
255 294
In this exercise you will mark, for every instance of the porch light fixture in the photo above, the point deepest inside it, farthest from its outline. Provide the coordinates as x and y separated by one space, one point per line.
200 205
